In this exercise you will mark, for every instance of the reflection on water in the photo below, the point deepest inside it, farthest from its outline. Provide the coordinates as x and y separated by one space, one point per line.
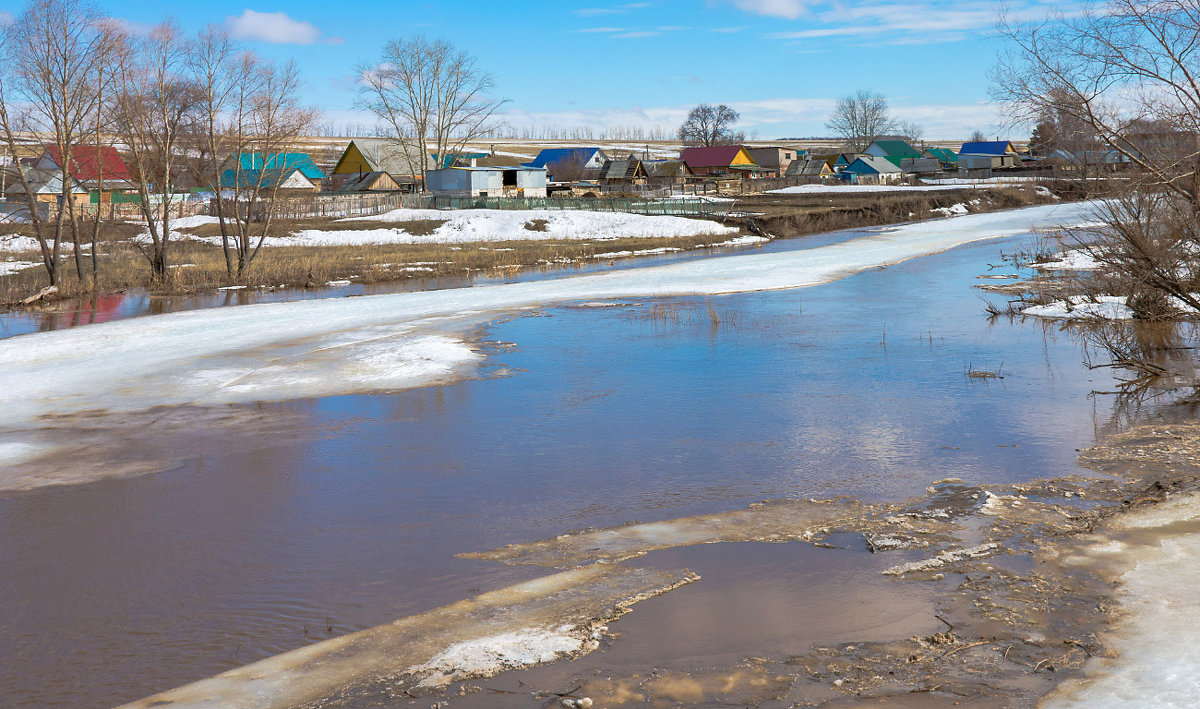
342 513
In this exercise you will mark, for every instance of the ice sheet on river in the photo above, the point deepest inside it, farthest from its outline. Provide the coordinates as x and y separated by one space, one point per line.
280 351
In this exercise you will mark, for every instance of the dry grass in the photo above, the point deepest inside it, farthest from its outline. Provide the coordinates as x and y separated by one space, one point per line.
198 266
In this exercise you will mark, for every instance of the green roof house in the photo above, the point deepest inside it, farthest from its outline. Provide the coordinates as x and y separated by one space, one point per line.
893 150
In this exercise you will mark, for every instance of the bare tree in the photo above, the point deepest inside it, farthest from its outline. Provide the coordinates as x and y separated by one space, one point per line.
912 131
433 97
52 56
860 119
977 136
708 125
247 123
1127 70
153 105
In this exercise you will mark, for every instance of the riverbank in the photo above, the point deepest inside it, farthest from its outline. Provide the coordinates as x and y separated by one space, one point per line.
420 244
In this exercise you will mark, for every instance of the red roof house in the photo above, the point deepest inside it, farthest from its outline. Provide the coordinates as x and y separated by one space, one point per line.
720 160
88 162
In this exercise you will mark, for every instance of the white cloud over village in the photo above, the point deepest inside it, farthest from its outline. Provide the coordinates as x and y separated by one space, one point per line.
272 27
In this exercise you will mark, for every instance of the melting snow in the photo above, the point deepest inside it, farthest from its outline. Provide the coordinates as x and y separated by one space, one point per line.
1158 662
1074 260
7 267
1079 307
489 655
278 351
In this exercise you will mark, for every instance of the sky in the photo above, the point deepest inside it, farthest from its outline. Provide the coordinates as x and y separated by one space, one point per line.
780 63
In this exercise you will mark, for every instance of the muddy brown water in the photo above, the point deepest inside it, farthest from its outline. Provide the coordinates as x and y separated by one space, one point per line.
338 514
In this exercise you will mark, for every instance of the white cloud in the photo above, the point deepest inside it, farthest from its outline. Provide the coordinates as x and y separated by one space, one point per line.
901 21
132 27
788 9
6 18
618 10
273 27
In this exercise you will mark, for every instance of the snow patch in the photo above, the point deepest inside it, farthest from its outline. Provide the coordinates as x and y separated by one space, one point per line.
488 655
947 557
1081 307
953 210
7 267
1074 260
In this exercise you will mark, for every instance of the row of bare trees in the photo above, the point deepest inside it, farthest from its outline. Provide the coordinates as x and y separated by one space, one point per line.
175 106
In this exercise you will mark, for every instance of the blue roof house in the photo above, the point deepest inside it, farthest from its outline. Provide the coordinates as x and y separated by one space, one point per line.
570 164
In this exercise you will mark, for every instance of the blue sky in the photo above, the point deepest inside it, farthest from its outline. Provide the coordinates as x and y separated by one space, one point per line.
781 63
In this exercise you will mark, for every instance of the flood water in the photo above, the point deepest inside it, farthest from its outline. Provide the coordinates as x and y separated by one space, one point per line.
307 519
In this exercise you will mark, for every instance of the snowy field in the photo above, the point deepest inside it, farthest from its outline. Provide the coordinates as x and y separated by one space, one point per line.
281 351
478 225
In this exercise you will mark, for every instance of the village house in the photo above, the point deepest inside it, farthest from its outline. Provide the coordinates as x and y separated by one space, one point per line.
46 186
989 154
285 173
721 160
366 155
773 158
487 182
570 164
895 151
92 167
870 168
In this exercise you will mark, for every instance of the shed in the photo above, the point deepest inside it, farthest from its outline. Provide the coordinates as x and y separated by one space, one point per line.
947 157
369 182
661 173
487 182
623 172
810 167
921 166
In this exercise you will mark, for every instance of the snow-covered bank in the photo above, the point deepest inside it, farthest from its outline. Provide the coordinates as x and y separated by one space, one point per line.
476 225
1158 639
1081 307
1073 260
333 346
